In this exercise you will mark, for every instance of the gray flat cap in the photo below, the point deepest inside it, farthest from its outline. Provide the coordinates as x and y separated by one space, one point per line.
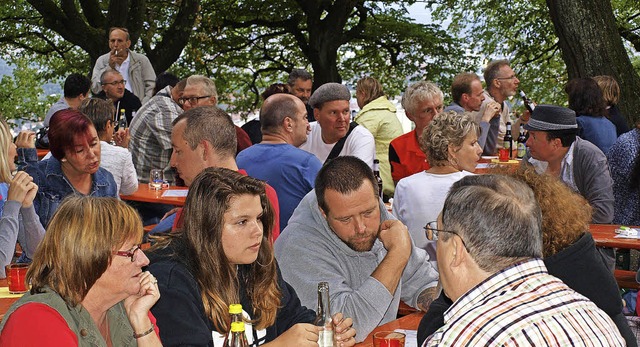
551 117
329 92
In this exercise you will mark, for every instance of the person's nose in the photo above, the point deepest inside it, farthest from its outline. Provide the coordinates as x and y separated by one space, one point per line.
172 160
528 143
358 225
141 258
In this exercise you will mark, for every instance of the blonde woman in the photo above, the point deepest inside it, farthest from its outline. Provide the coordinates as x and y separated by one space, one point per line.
18 219
87 283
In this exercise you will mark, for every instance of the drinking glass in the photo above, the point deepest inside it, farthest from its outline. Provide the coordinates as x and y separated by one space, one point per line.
17 278
388 339
156 179
503 154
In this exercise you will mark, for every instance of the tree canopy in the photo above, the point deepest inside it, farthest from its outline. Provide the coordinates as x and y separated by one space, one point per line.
247 45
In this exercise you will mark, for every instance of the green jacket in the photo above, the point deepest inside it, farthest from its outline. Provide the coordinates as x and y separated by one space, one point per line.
379 117
80 322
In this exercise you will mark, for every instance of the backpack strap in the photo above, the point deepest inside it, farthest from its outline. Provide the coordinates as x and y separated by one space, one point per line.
337 148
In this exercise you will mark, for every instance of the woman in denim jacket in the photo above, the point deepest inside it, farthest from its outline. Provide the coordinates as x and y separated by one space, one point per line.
74 167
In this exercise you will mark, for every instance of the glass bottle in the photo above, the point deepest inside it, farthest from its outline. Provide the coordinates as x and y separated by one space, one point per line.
238 337
235 310
376 174
323 318
508 140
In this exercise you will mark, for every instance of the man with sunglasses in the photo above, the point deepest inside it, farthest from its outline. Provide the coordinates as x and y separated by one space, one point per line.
489 250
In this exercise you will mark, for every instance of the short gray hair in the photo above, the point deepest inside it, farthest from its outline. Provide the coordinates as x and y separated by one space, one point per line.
448 128
298 74
497 217
209 123
419 92
209 86
492 70
106 72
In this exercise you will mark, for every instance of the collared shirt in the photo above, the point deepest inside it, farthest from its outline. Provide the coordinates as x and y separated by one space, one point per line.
406 157
124 71
566 168
150 130
522 305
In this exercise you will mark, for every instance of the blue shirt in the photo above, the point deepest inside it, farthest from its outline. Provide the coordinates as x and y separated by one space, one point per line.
289 170
53 186
597 130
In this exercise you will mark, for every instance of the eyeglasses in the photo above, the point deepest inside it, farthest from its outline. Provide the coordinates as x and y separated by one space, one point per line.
130 253
507 78
115 83
192 100
431 231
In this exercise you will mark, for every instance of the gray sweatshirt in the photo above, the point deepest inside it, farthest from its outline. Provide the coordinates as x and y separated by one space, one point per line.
309 252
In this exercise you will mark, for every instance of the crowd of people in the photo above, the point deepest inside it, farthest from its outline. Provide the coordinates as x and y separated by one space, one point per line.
291 199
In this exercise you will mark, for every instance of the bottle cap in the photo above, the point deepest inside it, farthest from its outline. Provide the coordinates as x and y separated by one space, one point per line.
235 308
237 327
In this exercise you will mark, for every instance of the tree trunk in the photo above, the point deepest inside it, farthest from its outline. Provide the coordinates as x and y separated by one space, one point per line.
591 45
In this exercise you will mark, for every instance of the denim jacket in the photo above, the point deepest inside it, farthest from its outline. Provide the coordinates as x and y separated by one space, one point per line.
53 186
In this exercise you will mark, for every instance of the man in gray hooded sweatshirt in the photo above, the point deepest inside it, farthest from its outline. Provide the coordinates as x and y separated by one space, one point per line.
341 233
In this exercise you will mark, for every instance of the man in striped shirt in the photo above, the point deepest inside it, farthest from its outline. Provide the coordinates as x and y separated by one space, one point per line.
488 250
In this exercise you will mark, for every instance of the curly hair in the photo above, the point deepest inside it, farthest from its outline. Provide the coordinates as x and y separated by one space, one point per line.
565 214
446 129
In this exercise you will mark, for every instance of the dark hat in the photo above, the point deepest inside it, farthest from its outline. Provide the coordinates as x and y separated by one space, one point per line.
551 117
329 92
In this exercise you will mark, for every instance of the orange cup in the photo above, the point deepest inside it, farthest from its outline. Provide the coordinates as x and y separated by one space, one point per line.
503 154
388 339
17 278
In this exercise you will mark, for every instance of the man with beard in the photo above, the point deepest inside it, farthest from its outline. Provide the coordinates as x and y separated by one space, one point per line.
342 234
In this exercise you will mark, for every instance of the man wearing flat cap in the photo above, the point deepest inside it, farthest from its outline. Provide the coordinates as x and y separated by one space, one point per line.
555 149
332 134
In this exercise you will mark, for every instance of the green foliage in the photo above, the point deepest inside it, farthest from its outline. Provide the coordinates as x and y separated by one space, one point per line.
21 96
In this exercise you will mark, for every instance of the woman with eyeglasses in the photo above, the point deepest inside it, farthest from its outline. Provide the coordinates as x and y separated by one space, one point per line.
450 143
74 167
221 256
18 219
568 249
87 283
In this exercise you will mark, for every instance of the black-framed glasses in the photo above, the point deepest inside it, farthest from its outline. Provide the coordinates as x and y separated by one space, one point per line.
130 253
192 100
507 78
431 231
115 83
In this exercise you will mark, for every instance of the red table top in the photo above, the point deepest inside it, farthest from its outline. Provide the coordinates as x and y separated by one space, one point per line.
144 194
604 236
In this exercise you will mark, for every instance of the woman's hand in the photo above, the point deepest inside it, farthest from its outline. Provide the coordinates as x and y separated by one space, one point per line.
344 331
301 334
138 305
22 189
122 138
26 139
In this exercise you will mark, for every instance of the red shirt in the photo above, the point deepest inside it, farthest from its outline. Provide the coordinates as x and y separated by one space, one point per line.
406 157
36 324
273 198
243 139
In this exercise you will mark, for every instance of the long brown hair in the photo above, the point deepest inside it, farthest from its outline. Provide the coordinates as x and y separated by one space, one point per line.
201 238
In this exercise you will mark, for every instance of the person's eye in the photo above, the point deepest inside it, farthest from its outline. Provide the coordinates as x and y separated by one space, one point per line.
344 220
242 222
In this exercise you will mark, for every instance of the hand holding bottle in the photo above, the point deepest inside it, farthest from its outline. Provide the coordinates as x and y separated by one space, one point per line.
492 110
344 331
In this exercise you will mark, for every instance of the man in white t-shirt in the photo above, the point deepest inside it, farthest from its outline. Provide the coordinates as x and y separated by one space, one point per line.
332 128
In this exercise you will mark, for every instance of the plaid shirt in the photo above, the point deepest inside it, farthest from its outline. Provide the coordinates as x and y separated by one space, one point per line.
523 305
150 131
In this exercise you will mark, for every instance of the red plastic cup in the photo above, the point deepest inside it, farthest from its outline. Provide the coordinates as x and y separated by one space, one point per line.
17 278
503 154
388 339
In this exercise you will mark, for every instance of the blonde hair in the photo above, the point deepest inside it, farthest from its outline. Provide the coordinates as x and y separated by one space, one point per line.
446 129
79 244
610 89
5 141
370 88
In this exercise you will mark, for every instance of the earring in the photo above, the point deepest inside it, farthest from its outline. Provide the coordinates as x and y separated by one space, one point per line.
64 160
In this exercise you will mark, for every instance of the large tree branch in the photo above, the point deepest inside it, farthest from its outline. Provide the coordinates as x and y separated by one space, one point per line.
91 10
630 36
